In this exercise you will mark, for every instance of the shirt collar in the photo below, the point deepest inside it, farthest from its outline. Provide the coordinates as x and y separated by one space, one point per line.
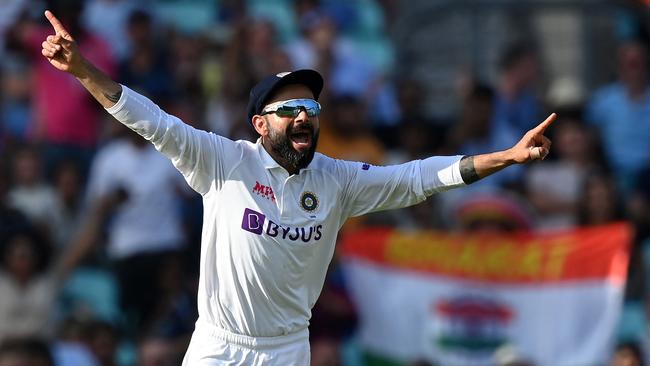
267 159
270 163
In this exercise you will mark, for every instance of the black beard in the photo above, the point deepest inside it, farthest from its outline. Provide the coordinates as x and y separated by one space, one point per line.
281 146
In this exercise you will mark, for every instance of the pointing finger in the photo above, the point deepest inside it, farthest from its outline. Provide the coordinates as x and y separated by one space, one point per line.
56 24
547 122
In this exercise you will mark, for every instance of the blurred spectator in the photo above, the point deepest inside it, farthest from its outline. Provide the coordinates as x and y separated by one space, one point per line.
145 232
336 58
410 101
251 53
638 204
185 59
11 220
599 201
517 108
621 111
416 140
627 354
554 187
30 194
103 341
175 312
30 280
346 132
235 79
26 290
25 352
145 68
108 19
68 186
157 352
261 43
325 352
16 114
474 124
334 317
476 132
70 348
67 119
11 11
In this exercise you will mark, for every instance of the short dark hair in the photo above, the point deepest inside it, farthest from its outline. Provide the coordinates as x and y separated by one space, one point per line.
138 16
481 91
38 243
33 349
514 53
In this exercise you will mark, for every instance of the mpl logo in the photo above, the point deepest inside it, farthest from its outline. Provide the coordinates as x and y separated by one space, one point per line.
253 221
264 191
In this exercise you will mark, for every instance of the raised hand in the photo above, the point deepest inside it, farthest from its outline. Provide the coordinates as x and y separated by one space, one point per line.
60 49
534 145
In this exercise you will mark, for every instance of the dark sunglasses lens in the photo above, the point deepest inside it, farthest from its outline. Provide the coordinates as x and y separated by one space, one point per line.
286 111
293 108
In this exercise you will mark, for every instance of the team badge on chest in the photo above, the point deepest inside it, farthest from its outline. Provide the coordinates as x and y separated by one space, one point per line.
308 201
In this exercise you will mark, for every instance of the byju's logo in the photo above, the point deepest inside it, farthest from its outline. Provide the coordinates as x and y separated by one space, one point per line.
256 222
253 221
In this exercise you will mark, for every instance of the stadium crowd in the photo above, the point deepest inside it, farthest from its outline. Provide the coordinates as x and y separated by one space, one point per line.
99 234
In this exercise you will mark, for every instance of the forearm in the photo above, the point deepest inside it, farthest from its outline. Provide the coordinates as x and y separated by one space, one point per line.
473 168
106 91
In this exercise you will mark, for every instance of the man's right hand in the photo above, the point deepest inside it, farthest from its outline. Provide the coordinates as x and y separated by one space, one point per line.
61 50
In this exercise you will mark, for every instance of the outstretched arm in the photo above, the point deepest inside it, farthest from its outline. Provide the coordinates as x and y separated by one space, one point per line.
202 157
63 53
533 146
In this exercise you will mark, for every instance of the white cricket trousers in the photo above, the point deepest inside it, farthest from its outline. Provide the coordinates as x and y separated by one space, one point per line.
212 346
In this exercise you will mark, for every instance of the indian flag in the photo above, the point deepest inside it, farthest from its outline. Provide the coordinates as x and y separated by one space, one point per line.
453 299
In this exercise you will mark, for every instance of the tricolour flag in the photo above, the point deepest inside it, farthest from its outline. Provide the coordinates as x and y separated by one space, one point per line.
455 298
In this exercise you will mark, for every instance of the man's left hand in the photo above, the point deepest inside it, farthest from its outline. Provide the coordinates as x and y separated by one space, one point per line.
534 145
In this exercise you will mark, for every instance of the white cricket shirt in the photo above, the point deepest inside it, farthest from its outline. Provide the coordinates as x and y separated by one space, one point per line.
268 237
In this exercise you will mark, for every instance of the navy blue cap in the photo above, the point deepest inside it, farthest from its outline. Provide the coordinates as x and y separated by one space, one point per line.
261 92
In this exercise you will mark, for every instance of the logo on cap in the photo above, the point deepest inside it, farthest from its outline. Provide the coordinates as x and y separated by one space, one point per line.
283 74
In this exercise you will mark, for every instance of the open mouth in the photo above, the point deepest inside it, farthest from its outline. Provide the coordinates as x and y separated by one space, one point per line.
301 140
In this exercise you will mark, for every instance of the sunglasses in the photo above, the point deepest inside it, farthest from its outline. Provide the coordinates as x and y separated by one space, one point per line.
292 108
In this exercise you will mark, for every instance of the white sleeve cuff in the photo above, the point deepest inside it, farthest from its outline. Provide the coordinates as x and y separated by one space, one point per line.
440 173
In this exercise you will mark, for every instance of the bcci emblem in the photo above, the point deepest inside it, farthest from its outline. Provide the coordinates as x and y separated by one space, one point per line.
308 201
